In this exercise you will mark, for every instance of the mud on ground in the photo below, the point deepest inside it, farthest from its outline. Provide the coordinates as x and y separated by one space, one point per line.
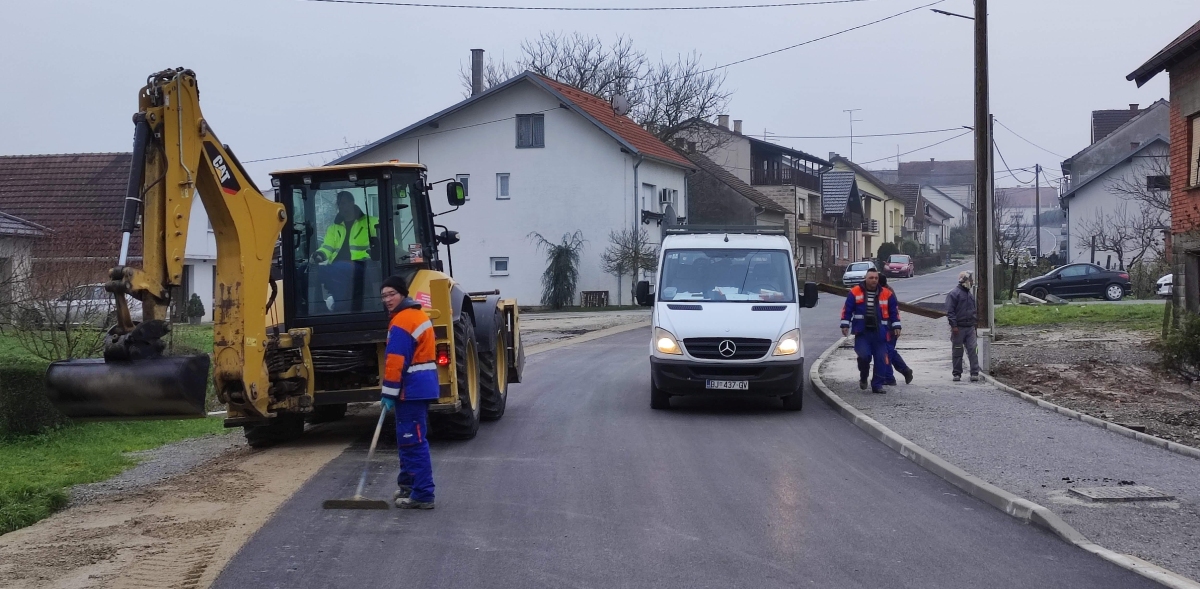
1107 373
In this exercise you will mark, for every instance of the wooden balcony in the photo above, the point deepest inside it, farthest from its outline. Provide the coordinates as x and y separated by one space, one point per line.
785 176
818 229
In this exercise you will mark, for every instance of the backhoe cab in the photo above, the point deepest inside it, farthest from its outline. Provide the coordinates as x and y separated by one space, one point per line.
298 325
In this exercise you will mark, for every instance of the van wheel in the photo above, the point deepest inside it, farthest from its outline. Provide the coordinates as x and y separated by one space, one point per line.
659 399
794 401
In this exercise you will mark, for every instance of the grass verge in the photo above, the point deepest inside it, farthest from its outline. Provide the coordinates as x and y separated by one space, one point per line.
36 471
1146 317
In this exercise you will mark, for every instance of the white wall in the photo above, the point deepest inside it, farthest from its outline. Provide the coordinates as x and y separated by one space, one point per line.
579 181
957 213
16 255
1096 197
200 255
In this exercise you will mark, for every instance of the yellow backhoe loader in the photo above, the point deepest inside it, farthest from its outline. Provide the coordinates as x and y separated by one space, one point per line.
296 334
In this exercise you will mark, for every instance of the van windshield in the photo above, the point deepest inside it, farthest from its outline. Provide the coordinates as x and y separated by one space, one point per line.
727 275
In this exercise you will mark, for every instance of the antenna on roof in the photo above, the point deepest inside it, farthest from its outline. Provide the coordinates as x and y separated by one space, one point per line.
620 105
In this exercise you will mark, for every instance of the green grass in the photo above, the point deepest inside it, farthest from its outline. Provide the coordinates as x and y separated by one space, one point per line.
1146 317
36 471
12 353
192 338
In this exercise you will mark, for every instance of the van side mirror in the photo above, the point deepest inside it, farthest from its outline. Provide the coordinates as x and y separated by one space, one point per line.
810 295
456 194
642 294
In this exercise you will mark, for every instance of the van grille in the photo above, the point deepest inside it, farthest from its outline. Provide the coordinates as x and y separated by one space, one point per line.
709 348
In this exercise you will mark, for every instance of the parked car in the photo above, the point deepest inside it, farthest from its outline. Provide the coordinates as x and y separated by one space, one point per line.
899 266
856 273
83 305
1079 281
1164 286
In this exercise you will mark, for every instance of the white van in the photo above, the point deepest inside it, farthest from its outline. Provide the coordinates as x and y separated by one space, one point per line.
726 317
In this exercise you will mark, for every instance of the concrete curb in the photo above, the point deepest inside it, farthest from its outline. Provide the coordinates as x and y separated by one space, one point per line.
1108 425
1018 507
587 337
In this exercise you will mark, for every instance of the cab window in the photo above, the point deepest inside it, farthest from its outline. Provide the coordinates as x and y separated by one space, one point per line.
338 249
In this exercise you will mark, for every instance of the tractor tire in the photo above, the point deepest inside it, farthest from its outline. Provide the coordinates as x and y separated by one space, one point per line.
281 428
464 423
327 413
493 380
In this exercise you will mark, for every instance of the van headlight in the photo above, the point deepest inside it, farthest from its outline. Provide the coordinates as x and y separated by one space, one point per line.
789 344
665 343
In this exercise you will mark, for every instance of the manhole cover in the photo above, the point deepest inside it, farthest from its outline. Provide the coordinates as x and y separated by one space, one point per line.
1121 494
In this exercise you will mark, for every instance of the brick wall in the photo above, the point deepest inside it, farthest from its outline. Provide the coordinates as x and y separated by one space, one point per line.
1185 204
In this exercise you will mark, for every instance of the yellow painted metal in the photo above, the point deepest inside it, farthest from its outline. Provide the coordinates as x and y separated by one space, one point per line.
368 166
194 162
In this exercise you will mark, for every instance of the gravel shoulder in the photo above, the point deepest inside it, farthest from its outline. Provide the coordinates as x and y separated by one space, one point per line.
1034 453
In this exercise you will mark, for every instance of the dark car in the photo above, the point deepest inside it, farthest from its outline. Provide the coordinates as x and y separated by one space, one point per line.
899 266
1079 281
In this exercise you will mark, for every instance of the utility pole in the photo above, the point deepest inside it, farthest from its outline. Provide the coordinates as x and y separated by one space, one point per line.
983 182
1037 195
852 121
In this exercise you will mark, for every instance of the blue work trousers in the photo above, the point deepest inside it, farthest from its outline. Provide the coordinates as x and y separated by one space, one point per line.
341 280
416 469
896 363
872 345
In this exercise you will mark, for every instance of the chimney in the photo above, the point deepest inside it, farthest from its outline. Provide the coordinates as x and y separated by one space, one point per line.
476 71
931 159
1133 107
723 121
737 127
832 155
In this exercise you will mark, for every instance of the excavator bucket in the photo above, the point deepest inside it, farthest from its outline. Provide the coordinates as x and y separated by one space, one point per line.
166 387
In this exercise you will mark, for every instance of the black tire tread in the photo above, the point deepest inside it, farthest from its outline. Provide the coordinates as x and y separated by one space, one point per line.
493 394
659 399
327 413
464 423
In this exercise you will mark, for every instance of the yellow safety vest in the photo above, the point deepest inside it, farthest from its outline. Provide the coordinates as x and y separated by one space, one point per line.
361 234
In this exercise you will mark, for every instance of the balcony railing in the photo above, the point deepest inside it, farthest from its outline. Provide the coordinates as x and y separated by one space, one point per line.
818 229
785 176
870 225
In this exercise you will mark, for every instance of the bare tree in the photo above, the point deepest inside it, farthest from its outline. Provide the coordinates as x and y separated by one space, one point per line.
1146 184
1129 235
664 97
1014 237
629 252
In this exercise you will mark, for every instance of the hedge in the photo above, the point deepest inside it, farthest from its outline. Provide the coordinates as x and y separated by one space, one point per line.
24 408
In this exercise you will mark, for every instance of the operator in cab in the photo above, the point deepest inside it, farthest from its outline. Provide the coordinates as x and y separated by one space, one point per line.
410 383
350 242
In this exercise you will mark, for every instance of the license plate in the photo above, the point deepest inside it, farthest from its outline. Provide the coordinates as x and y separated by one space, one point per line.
729 385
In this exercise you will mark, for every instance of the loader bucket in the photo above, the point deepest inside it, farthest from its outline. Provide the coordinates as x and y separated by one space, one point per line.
167 387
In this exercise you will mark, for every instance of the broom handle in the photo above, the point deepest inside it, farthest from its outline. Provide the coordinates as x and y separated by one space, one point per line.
362 481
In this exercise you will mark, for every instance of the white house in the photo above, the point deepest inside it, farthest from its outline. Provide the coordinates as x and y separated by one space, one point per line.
1101 179
540 156
16 259
200 259
955 200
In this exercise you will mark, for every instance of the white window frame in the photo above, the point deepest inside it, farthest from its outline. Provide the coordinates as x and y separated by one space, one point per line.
465 179
648 190
503 186
492 266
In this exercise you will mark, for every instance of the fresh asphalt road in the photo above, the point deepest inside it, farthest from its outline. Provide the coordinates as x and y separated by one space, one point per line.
581 484
937 283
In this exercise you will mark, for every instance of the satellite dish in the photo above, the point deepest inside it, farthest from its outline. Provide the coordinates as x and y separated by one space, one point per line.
670 219
620 105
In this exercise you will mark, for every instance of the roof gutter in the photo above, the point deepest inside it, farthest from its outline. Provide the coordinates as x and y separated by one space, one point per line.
637 186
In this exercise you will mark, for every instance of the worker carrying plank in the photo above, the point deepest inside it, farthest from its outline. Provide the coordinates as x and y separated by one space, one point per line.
872 314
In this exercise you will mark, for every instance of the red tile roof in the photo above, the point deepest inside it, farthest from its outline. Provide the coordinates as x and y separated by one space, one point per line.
78 196
1178 50
624 127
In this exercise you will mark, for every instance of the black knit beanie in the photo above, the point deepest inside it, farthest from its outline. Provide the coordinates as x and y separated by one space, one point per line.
396 283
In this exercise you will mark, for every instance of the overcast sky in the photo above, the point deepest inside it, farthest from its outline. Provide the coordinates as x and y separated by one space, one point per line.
282 77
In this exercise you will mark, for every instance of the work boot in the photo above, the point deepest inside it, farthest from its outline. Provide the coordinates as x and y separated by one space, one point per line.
862 384
957 377
908 376
402 493
410 503
878 391
891 382
974 378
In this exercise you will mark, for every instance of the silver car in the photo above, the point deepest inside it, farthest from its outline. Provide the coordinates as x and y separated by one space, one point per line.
86 305
856 273
1164 286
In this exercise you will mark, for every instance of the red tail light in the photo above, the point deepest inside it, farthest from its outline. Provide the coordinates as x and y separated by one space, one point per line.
443 354
1124 275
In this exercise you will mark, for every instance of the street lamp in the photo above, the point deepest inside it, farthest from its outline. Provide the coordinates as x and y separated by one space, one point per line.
983 184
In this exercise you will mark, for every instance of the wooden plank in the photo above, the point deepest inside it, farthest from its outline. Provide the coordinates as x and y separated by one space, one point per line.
904 307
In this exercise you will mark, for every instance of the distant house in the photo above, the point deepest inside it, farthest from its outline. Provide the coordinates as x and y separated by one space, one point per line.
717 197
789 177
80 199
1181 59
17 237
540 156
842 208
882 209
948 184
1100 182
924 222
1019 207
949 200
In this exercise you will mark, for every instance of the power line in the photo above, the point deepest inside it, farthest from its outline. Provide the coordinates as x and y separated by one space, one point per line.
1030 142
590 8
915 150
1002 160
856 136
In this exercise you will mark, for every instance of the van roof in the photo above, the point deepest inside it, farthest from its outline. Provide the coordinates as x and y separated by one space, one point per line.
719 241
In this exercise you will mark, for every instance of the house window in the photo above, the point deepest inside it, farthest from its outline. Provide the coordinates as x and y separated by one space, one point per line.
465 180
502 187
499 266
531 131
1158 182
1194 160
666 197
648 191
800 208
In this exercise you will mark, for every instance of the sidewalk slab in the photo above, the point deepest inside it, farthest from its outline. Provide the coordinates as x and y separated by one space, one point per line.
1033 453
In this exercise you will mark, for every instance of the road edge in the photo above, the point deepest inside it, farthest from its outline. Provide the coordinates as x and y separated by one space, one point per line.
1155 441
587 337
1015 506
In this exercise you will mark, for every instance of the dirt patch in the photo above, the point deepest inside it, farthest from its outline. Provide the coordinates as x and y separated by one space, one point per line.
1104 372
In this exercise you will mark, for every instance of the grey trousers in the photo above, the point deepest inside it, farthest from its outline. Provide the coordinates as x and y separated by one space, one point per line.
965 339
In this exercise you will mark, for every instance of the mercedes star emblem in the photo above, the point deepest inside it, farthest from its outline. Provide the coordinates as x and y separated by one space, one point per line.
727 348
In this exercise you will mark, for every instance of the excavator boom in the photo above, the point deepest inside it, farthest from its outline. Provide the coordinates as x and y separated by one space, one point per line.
177 157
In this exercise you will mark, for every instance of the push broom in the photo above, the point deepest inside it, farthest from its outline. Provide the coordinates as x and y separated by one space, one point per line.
358 502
